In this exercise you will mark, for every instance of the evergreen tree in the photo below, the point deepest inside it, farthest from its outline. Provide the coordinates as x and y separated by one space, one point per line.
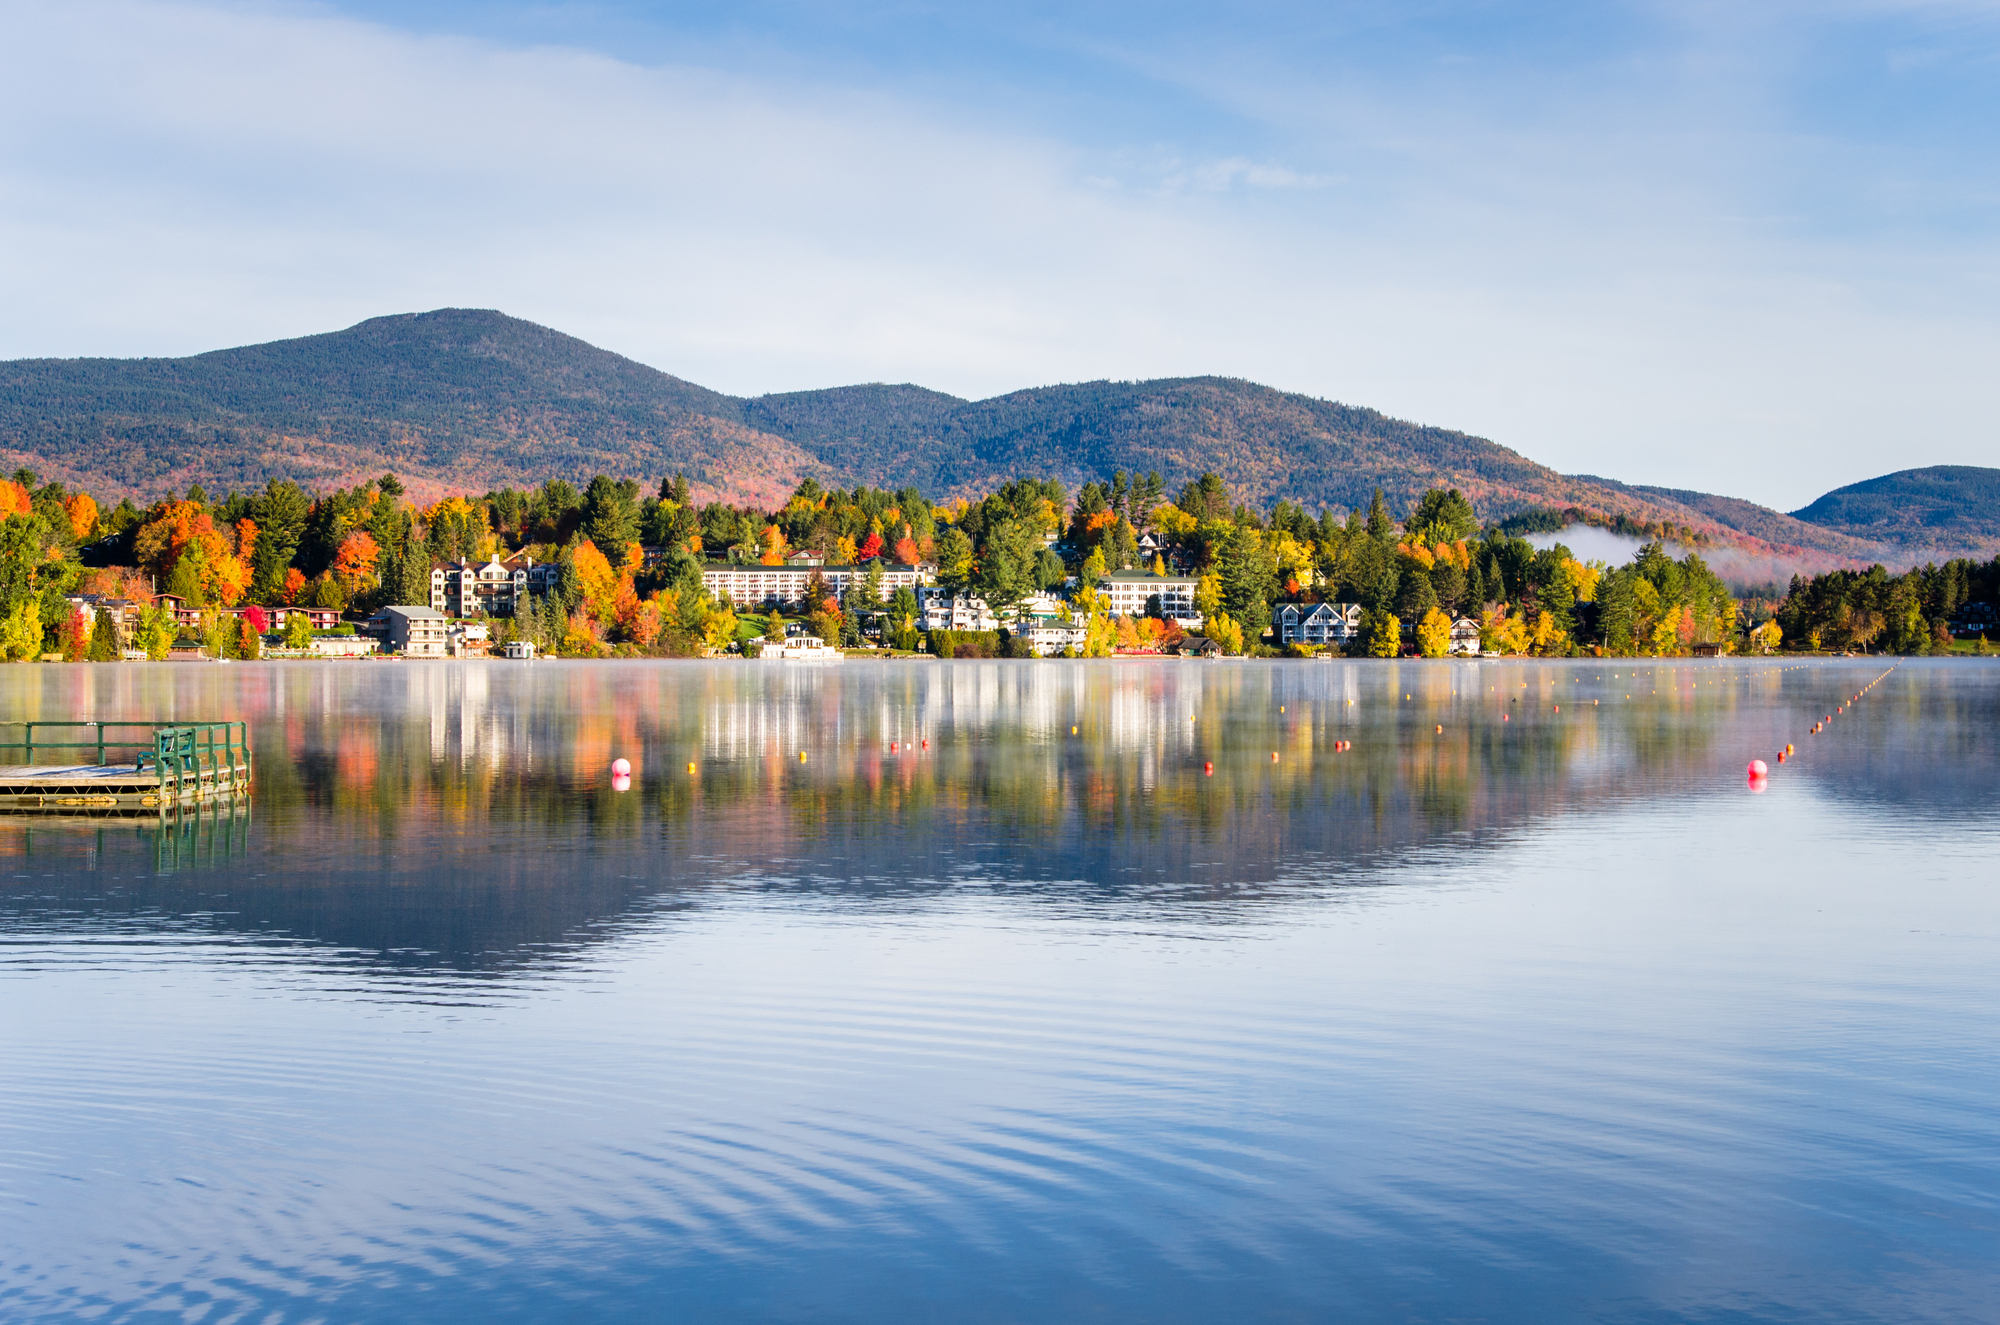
103 638
1415 597
1380 527
413 573
280 513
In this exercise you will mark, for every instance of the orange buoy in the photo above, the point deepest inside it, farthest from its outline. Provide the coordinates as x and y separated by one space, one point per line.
1440 729
1274 756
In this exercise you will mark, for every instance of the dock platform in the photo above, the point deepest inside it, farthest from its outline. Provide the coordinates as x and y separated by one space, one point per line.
176 766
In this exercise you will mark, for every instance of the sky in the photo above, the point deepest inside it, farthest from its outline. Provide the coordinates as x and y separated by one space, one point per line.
1744 247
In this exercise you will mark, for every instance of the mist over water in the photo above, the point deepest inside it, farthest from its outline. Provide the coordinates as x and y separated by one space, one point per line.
1545 1016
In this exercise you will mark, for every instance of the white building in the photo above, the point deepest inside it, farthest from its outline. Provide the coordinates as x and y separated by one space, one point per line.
1465 636
785 586
1130 591
945 610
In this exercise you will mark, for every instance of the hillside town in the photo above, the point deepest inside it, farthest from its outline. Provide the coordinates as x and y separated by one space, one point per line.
1027 571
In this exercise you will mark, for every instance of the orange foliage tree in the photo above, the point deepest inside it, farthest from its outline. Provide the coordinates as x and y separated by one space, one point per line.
182 529
354 559
295 584
82 512
13 499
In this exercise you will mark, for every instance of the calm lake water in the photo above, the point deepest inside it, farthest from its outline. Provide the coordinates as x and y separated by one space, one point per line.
966 1017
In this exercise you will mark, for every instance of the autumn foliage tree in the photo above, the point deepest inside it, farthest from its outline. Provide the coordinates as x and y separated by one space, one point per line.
82 512
354 560
181 545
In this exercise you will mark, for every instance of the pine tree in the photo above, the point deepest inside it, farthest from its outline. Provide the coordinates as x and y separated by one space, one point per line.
1380 527
103 638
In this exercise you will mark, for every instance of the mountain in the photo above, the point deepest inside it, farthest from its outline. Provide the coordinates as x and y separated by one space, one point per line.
1943 505
469 399
455 399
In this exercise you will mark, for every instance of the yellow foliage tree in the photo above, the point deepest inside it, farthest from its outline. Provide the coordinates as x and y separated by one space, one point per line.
1208 596
21 632
718 630
1548 638
1225 633
601 584
1434 634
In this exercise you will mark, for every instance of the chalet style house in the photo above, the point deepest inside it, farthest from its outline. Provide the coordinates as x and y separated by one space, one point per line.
1330 624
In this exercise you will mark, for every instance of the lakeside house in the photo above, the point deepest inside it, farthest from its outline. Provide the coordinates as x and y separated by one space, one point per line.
1464 637
414 632
1325 624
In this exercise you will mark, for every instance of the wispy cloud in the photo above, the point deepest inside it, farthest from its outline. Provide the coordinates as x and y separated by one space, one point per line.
1623 265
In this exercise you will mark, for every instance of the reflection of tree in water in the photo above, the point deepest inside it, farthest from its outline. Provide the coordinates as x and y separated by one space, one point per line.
462 819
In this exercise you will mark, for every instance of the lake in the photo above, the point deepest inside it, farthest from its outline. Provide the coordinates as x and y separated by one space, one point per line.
1017 991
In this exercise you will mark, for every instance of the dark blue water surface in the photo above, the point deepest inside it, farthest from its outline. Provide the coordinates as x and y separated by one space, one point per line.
1546 1016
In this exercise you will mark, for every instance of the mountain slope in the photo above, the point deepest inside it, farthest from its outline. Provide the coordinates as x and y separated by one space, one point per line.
1940 505
467 399
456 398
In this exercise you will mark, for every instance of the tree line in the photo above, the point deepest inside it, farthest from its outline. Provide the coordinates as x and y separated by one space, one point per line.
628 566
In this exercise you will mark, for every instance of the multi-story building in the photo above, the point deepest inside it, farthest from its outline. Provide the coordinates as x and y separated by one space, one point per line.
1130 592
946 609
466 588
1316 623
415 632
785 586
1050 623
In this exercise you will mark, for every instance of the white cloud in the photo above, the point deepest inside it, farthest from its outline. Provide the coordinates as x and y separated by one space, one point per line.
182 177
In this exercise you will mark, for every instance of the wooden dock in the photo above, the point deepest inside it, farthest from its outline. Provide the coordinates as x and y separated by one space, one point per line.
122 788
174 766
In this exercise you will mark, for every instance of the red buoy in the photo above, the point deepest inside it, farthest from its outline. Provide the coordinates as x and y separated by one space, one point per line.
1758 768
1208 770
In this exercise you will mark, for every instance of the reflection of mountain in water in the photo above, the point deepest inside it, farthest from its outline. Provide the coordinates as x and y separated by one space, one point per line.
459 817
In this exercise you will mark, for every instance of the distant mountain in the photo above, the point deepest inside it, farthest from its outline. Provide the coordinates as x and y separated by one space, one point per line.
1943 505
457 399
1761 522
466 399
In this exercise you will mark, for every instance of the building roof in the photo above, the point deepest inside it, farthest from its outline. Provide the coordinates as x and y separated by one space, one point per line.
424 613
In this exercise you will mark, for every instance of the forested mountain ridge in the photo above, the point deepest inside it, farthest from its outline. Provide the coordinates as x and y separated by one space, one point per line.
466 400
1938 505
457 399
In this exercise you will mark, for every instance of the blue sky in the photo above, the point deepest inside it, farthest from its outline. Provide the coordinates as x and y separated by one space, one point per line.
1744 247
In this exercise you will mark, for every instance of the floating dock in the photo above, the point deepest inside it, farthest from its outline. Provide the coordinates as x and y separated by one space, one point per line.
172 766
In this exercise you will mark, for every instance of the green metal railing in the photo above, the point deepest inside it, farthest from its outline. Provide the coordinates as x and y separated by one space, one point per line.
177 751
